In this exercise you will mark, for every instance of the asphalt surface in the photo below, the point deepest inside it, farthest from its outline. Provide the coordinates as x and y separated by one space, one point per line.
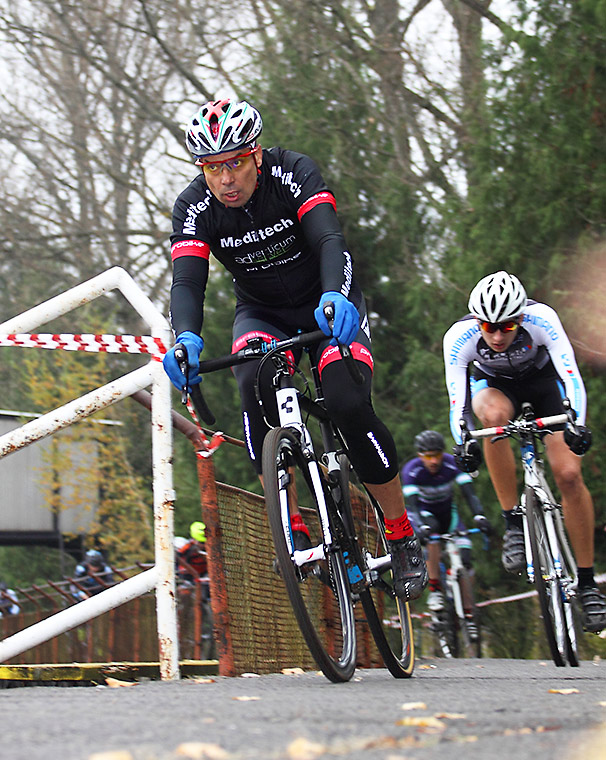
472 709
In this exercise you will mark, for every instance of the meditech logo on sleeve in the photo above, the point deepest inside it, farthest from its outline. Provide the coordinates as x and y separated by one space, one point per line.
287 179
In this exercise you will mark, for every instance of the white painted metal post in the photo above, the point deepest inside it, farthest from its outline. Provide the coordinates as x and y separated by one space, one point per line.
164 497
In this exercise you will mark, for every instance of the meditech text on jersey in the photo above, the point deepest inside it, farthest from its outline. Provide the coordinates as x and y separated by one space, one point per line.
189 225
286 178
348 272
255 236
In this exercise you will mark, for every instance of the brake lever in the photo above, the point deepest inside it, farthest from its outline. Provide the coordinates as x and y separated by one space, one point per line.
181 357
202 409
344 350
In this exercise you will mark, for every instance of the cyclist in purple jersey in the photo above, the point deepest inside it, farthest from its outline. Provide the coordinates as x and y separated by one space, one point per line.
507 351
428 485
270 220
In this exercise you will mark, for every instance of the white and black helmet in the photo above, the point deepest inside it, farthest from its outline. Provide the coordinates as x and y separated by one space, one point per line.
497 297
222 125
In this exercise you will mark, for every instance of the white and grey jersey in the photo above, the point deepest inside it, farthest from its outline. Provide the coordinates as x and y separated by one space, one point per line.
540 338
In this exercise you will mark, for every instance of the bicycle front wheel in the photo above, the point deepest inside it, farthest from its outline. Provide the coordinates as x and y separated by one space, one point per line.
569 573
546 580
318 590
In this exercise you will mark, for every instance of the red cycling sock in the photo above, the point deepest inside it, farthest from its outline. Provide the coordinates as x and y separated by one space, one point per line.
434 584
397 529
296 523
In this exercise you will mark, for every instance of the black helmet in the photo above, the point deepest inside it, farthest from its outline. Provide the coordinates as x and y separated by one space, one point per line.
429 440
94 557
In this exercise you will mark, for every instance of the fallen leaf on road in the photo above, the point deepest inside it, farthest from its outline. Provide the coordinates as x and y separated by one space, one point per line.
246 699
303 749
602 704
202 751
413 706
450 716
428 722
117 755
564 691
115 683
426 667
293 671
198 679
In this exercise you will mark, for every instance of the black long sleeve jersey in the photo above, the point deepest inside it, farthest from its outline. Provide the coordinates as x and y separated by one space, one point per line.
284 248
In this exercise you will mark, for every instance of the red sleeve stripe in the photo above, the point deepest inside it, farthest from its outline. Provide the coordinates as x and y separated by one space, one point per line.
190 248
323 197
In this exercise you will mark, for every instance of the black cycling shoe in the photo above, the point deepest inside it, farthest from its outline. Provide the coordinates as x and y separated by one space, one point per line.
301 540
408 568
472 628
593 609
514 550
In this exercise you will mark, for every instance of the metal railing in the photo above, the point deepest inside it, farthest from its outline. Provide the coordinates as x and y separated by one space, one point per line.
162 575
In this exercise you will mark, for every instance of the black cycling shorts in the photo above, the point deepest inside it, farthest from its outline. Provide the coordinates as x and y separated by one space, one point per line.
542 388
372 448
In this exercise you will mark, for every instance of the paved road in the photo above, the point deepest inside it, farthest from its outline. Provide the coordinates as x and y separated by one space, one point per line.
471 709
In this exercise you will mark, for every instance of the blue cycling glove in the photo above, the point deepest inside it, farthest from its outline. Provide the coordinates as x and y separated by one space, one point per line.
193 345
347 319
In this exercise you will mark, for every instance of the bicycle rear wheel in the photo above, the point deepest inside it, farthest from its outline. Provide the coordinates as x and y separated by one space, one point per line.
470 644
318 591
388 617
546 581
444 628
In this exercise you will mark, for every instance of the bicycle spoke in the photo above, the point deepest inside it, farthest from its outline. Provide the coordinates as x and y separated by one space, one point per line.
319 590
547 584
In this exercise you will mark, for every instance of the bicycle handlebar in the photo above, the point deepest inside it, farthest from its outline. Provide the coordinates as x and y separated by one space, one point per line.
527 424
256 352
515 426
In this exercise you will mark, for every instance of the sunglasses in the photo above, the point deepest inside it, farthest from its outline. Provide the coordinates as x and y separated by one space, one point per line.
430 454
504 327
214 168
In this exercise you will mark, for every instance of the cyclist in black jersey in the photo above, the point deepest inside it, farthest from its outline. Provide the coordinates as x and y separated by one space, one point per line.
268 216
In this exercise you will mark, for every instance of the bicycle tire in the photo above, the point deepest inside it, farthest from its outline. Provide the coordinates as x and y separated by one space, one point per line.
569 572
546 582
320 597
468 647
444 628
388 618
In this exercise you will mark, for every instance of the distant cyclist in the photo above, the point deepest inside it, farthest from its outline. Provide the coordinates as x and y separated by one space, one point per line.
516 351
428 485
93 575
191 554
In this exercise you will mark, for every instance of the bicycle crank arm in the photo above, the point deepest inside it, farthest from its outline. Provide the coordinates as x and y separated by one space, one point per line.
309 555
378 563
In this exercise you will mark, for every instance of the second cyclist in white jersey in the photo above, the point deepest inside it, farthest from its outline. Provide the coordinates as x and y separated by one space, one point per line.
508 350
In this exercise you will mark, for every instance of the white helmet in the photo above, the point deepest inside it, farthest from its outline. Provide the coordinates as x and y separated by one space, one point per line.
497 298
222 125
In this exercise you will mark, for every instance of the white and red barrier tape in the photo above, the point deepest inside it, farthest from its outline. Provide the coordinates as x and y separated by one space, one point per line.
112 344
